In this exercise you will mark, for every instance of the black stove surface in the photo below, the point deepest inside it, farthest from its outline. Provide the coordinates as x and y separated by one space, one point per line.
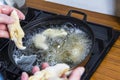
104 39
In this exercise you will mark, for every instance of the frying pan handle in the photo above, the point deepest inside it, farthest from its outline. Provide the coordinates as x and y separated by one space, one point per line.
78 12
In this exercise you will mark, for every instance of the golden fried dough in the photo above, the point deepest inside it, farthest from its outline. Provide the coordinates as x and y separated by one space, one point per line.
51 73
16 32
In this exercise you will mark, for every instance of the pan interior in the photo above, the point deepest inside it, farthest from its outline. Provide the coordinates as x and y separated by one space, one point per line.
70 49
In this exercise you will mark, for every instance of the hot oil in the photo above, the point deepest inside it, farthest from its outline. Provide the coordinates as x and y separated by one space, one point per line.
70 49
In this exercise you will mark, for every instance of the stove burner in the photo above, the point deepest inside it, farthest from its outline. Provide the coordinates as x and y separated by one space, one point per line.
104 39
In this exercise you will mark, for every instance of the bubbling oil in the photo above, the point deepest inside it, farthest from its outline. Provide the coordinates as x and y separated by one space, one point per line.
70 49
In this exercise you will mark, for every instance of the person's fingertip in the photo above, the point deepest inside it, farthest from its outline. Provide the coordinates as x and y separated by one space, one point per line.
24 76
24 73
35 69
23 18
4 9
77 73
44 65
81 70
20 14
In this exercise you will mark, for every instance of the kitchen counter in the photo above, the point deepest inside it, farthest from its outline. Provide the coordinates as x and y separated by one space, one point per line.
109 68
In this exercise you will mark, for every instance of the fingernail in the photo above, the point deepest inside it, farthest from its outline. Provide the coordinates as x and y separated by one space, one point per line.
35 69
81 69
4 9
45 65
23 74
23 18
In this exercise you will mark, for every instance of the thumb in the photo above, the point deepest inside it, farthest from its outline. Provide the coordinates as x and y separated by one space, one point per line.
6 19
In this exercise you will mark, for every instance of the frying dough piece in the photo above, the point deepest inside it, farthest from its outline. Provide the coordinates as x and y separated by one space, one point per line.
39 41
52 33
51 73
16 32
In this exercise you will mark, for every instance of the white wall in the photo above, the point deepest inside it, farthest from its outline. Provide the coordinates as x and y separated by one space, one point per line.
102 6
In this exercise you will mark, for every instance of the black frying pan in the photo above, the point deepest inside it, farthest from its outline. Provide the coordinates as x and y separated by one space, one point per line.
57 20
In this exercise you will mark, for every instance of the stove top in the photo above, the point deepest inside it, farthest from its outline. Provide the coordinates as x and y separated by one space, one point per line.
104 39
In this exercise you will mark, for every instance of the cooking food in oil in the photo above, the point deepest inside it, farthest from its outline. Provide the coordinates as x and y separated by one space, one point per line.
57 45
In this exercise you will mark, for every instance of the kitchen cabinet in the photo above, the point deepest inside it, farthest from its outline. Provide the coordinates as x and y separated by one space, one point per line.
110 7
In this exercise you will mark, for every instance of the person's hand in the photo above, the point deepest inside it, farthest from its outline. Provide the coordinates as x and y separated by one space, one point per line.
76 74
5 19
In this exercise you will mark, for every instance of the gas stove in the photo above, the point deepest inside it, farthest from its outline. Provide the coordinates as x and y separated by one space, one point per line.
104 39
